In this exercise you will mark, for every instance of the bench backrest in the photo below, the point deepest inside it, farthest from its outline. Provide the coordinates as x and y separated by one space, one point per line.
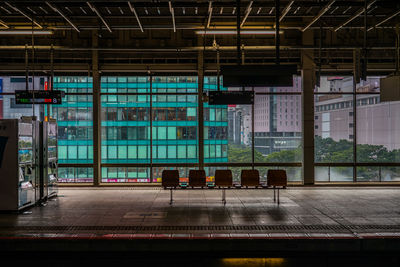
170 178
276 178
223 178
197 178
250 178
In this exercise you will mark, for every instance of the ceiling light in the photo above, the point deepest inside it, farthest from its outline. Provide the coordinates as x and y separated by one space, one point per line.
25 32
232 32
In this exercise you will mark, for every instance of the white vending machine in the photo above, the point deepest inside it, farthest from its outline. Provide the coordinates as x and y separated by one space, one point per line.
48 159
18 164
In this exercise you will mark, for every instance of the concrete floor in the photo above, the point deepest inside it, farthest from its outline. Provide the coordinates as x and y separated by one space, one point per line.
302 211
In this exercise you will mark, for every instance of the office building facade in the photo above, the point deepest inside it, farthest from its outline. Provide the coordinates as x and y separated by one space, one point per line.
277 119
143 122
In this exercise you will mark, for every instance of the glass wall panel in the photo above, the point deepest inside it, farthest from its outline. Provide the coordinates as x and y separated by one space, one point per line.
227 130
175 122
131 84
278 125
125 121
390 174
368 174
75 175
75 120
335 84
378 126
334 174
8 108
73 84
333 128
125 175
371 85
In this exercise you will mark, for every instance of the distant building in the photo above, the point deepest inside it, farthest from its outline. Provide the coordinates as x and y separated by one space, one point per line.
377 123
277 119
234 125
9 110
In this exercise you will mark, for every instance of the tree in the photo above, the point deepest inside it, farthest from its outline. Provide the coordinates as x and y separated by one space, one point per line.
327 150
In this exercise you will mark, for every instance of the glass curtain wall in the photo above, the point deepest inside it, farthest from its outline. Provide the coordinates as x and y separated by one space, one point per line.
147 121
75 128
357 138
278 129
264 136
125 128
334 129
378 134
8 108
74 117
150 123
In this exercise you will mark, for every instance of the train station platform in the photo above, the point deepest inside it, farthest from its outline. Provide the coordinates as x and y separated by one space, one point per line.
321 224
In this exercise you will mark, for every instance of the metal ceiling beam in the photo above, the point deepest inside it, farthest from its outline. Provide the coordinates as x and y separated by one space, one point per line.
171 9
320 14
286 10
132 8
94 9
210 10
24 14
2 23
190 48
248 10
358 13
385 19
63 15
196 3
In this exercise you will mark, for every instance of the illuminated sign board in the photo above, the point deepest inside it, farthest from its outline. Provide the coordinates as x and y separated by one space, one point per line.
38 97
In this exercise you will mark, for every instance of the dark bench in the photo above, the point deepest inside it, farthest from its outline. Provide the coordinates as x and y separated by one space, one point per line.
276 179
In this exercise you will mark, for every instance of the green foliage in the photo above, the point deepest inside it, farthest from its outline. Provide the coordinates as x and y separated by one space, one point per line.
327 150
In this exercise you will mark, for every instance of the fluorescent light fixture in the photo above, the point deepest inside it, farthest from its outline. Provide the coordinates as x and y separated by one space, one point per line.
232 32
27 32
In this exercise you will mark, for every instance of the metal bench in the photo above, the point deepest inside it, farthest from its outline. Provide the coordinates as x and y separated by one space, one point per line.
276 179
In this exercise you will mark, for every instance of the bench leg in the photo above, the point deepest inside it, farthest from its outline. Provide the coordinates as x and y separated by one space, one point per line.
171 198
223 196
278 195
274 195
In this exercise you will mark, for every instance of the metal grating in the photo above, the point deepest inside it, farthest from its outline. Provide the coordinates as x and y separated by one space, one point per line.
228 228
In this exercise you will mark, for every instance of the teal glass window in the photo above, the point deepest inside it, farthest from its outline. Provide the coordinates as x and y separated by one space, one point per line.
132 152
181 152
171 152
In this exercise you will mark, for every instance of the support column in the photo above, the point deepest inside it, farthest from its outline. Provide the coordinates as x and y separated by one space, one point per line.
96 112
200 109
308 81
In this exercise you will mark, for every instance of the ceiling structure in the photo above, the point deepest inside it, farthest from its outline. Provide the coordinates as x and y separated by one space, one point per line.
139 35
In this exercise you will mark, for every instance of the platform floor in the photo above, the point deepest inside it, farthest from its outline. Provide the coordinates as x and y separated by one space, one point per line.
308 211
